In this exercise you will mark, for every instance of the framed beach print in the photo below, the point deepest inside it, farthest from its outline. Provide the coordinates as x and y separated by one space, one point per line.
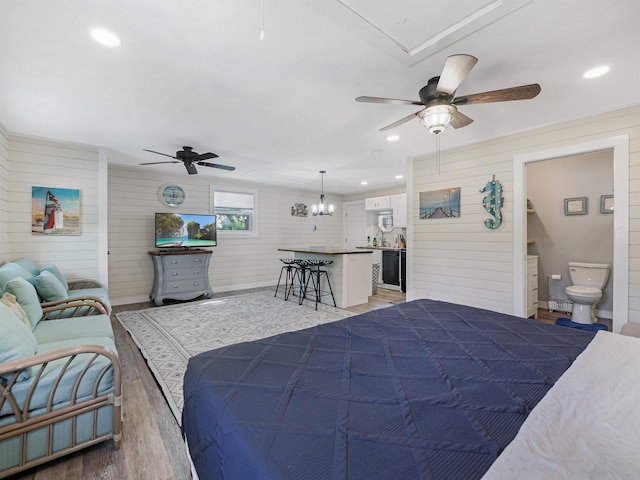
606 204
575 206
55 211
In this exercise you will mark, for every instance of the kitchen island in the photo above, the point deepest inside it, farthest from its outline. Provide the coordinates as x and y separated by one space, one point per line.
349 274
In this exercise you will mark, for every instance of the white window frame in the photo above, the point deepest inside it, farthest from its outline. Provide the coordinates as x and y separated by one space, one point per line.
253 232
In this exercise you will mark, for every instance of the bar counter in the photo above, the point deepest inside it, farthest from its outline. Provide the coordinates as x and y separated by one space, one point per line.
349 274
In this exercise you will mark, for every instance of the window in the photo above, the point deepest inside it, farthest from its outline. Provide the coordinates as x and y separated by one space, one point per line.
236 210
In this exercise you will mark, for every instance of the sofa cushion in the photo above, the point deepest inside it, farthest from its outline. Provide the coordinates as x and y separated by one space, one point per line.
67 382
49 287
11 270
50 267
28 265
16 340
63 329
10 301
27 297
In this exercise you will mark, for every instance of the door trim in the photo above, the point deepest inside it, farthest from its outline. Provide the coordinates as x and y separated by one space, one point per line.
620 146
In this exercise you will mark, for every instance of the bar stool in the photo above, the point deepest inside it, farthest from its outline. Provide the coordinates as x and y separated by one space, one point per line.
301 275
290 268
315 275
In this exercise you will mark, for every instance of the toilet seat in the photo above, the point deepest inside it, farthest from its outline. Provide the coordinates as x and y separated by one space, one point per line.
584 292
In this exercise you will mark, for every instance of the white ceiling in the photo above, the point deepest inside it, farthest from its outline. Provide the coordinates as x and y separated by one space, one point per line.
280 109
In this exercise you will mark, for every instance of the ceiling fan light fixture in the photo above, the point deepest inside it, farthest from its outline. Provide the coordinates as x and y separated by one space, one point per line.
437 118
322 208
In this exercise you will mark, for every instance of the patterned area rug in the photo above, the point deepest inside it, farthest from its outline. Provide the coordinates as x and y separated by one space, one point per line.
168 336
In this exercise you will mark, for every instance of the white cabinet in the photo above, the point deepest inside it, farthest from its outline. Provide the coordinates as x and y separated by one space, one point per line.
399 206
532 286
377 203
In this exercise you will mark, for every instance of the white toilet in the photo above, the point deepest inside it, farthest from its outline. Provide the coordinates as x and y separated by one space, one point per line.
588 281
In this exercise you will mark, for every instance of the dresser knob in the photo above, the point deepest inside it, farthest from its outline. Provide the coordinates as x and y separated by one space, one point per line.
175 273
174 261
195 284
197 260
175 286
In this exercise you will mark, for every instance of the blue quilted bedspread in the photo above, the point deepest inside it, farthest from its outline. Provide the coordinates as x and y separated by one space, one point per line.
420 390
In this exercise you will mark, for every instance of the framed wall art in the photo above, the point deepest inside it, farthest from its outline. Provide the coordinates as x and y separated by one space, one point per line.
55 211
576 206
440 203
606 203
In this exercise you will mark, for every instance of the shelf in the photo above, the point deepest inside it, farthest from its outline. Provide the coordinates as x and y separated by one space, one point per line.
530 242
531 210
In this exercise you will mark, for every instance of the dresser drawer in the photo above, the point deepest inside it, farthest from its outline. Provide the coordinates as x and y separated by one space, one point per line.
182 286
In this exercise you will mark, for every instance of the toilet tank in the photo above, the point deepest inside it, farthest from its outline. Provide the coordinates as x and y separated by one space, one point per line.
589 274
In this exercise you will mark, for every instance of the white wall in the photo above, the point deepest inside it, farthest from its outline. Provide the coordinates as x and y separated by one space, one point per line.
4 192
236 263
460 260
38 162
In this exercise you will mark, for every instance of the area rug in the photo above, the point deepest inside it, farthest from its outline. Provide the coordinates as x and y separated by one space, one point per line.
168 336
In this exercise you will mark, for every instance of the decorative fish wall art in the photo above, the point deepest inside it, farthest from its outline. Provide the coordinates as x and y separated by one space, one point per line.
493 202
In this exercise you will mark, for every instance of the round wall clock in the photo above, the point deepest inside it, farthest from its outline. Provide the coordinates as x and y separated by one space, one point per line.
172 195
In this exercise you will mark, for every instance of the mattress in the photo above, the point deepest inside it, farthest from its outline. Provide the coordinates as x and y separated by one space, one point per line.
424 390
588 425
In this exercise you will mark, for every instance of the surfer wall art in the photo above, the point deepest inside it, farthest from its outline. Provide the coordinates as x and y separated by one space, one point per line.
55 211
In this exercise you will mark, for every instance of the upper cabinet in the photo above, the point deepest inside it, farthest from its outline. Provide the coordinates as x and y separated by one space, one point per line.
377 203
399 206
397 203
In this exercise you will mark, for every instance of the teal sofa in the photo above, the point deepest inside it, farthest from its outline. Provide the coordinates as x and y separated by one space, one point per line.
60 377
51 284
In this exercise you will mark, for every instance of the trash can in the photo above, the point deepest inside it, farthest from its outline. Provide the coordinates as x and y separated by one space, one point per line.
375 278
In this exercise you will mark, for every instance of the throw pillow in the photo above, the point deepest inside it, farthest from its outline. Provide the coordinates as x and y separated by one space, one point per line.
11 270
27 297
50 267
10 301
49 287
16 342
28 265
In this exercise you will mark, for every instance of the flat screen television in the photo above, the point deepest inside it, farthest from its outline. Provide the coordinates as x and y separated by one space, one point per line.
185 230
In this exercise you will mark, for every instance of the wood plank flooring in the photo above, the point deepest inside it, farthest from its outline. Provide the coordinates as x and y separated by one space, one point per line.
152 446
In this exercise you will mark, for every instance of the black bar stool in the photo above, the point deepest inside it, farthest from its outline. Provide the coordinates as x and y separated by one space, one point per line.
301 275
290 268
315 275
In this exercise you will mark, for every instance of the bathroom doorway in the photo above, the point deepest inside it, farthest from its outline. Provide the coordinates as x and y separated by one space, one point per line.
557 237
619 280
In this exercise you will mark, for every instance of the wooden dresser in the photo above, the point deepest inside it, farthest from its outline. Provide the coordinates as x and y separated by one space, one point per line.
180 275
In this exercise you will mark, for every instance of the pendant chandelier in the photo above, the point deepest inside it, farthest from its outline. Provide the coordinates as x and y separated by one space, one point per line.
322 208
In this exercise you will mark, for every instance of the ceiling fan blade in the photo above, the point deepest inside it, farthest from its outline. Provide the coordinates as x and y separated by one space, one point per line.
455 70
217 165
206 156
459 120
523 92
159 153
157 163
191 168
400 122
395 101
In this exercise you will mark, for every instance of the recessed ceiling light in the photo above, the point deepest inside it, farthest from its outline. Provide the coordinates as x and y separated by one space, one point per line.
393 138
364 182
105 37
398 177
596 72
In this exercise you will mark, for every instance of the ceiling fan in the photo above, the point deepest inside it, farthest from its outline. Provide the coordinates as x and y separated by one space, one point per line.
190 160
440 107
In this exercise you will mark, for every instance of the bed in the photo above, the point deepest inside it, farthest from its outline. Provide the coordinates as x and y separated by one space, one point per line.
423 389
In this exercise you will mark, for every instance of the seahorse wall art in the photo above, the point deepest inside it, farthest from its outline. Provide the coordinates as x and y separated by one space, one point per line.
493 202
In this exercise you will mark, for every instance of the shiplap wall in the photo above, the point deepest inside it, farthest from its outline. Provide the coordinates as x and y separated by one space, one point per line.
37 162
237 262
460 260
4 193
